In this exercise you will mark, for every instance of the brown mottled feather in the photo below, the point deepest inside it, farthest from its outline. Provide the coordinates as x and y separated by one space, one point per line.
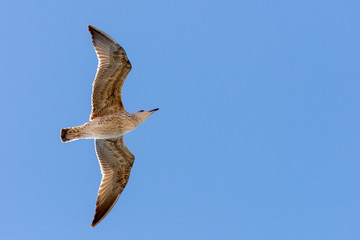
115 161
113 67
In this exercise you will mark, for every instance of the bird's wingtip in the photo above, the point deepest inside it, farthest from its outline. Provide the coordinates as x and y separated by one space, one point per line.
93 224
90 28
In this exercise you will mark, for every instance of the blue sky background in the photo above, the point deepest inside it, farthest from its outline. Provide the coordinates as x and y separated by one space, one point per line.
257 136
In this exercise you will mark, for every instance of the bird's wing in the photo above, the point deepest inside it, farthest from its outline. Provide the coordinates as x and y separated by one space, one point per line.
115 161
113 67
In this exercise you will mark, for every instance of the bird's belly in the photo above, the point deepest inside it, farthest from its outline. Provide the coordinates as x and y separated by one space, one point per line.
108 128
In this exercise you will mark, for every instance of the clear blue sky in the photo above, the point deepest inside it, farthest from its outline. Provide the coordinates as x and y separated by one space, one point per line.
257 136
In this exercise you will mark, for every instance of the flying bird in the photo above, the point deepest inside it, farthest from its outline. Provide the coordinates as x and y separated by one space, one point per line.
109 122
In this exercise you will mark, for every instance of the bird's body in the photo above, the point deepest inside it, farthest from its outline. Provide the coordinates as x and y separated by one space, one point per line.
109 122
109 126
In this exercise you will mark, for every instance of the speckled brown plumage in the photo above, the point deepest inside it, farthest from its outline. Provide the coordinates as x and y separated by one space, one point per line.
113 68
116 161
109 122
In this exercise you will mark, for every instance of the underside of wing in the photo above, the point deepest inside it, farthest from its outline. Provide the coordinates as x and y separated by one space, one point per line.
113 67
115 162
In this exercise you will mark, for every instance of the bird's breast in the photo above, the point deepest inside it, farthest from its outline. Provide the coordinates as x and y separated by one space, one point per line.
110 126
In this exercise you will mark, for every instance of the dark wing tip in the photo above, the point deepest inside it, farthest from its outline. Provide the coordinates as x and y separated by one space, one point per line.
98 35
92 28
99 215
94 31
94 222
104 207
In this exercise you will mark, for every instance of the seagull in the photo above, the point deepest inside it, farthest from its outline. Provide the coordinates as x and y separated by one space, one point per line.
109 122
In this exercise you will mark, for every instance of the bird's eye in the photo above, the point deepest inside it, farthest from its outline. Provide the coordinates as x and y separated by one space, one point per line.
141 110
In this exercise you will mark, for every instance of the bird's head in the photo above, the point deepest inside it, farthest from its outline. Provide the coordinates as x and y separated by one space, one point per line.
142 115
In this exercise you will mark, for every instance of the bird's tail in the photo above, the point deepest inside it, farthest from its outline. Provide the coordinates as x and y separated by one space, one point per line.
70 134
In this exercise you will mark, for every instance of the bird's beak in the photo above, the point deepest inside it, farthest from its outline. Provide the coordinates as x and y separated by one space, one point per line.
154 110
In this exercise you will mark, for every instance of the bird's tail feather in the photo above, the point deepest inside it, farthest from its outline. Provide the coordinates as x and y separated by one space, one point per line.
70 134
